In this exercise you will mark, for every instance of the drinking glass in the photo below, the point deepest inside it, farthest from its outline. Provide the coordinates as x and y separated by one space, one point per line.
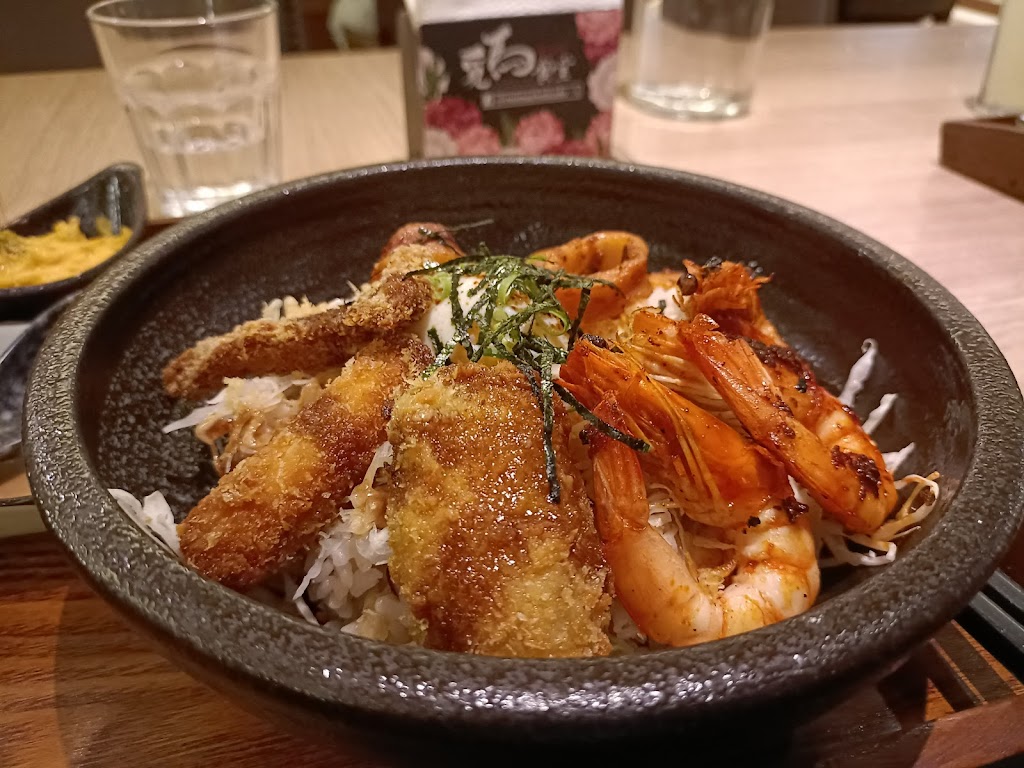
199 81
697 58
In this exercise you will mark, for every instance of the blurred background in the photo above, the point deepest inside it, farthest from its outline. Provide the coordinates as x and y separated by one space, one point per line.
39 36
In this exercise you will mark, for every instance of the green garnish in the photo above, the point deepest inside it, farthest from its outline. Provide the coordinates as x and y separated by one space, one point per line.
514 294
435 340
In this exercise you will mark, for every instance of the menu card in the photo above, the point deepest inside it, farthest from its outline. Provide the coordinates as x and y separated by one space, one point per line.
525 78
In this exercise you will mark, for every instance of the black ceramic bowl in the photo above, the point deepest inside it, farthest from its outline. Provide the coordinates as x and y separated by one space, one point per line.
95 409
116 193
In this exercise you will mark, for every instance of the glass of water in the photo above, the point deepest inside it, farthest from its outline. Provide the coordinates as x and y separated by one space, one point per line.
199 80
697 58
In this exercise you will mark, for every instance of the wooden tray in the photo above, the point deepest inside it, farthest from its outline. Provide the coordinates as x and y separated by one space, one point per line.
79 688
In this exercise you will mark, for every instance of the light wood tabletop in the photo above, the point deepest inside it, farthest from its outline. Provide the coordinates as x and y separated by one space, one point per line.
845 120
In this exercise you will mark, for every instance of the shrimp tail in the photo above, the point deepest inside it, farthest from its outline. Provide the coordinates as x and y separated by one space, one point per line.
620 498
728 292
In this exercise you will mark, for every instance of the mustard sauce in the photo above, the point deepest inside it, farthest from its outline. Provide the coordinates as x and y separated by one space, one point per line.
64 252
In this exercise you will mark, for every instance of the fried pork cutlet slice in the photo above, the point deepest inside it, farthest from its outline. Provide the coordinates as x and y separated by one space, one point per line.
310 344
325 340
479 553
433 243
273 505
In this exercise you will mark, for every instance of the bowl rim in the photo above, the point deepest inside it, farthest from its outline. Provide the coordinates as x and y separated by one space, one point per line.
132 172
345 674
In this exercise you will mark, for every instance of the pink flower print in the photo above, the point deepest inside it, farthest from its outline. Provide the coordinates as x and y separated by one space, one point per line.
599 31
599 134
452 115
573 148
539 132
479 140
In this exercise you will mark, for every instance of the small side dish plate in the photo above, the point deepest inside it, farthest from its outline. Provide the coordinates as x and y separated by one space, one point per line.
116 193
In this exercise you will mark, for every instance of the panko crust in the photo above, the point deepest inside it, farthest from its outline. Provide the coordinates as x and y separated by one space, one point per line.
272 506
479 552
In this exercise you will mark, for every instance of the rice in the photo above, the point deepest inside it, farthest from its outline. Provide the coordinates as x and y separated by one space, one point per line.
346 575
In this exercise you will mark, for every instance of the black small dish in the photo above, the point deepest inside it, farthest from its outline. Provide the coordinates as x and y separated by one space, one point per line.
95 407
15 365
117 193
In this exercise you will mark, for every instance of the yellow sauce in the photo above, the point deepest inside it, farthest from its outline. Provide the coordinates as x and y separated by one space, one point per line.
62 253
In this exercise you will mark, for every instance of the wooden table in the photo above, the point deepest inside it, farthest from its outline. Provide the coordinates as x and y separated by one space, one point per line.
845 121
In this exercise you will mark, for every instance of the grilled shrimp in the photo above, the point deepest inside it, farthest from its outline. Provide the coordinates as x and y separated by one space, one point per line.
821 443
776 568
717 476
652 339
619 258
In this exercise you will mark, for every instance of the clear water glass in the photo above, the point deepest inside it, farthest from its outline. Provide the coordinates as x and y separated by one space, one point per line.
199 80
697 59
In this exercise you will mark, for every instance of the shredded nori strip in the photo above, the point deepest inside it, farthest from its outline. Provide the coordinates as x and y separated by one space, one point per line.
501 277
435 340
602 426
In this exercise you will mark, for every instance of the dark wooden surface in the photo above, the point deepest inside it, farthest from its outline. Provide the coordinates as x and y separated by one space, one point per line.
78 688
987 150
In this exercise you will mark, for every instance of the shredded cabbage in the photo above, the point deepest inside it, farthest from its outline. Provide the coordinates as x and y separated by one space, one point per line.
875 417
894 459
261 394
153 515
859 373
346 571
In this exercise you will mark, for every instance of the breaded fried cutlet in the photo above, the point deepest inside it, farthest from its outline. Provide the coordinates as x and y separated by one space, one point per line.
479 552
273 504
308 344
430 241
324 340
